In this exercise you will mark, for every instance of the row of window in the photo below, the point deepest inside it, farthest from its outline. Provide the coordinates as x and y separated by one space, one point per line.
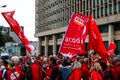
58 19
50 48
102 29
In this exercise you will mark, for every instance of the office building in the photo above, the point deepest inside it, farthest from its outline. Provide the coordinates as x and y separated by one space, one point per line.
52 18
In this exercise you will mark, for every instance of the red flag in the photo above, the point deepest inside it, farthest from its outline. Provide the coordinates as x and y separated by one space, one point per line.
17 29
95 39
74 39
111 48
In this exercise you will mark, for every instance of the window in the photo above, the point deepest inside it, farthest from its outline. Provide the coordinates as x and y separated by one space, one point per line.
50 50
119 6
50 37
94 13
110 9
117 27
105 1
94 4
59 36
106 12
106 44
103 28
98 13
42 50
117 51
101 2
102 12
90 3
115 8
110 1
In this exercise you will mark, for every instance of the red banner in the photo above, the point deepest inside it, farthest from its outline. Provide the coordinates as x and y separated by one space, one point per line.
17 29
74 39
111 48
95 39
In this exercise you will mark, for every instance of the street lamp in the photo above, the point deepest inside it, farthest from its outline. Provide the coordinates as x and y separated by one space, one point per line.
3 6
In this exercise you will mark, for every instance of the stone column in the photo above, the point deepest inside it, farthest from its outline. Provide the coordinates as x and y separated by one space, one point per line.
39 46
46 46
54 45
111 33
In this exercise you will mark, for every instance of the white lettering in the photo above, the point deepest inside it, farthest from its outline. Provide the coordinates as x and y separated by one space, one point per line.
72 40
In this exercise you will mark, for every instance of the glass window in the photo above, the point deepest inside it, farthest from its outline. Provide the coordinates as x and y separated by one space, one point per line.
103 28
101 2
94 13
97 2
50 50
105 1
102 12
117 51
106 44
94 3
98 13
87 5
42 38
59 36
110 1
106 12
42 50
50 37
110 9
115 8
83 4
90 3
116 27
119 6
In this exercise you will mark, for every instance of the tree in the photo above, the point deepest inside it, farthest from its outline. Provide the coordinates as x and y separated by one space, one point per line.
4 38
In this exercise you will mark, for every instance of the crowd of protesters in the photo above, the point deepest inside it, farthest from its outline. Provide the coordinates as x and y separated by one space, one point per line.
80 67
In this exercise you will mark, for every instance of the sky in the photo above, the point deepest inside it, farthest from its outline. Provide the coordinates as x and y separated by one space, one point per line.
24 15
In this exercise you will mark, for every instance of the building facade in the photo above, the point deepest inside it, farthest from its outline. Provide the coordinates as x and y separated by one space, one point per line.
52 18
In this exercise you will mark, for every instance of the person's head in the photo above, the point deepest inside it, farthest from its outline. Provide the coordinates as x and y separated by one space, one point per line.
15 59
76 64
39 59
53 60
96 66
66 61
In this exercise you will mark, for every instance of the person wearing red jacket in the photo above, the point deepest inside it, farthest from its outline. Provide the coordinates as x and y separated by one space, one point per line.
85 69
96 72
36 69
52 72
14 73
76 71
1 76
116 67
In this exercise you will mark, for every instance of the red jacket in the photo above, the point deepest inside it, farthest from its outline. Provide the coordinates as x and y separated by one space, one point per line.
75 75
49 71
17 75
36 71
1 76
116 73
85 71
95 76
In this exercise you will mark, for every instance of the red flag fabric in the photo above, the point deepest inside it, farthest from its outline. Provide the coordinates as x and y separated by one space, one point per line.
74 39
111 48
95 39
17 29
